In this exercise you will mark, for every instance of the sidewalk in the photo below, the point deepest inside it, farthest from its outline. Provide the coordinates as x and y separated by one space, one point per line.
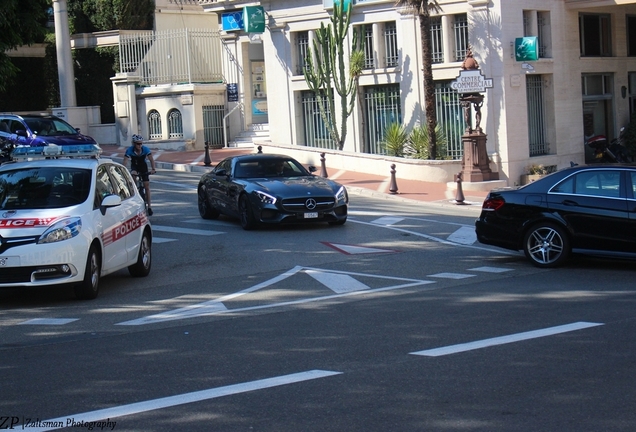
356 182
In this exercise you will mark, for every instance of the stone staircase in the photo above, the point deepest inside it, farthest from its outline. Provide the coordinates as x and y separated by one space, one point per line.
256 133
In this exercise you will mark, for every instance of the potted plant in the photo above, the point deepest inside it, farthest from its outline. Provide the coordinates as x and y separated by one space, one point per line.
535 172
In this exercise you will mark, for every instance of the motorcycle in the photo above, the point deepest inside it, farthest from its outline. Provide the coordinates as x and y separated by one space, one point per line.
604 152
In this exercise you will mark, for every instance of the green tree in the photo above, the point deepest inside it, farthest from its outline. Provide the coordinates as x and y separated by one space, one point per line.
326 74
422 9
22 22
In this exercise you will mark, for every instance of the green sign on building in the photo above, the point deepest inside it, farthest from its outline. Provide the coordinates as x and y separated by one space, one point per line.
254 19
527 48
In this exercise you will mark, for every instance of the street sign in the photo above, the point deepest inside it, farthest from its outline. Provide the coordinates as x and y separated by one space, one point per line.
471 81
527 48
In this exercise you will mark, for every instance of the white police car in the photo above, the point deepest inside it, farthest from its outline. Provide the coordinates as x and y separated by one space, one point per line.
68 216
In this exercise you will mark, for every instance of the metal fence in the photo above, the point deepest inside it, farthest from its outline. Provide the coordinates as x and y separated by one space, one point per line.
536 116
213 125
450 118
315 129
172 56
382 107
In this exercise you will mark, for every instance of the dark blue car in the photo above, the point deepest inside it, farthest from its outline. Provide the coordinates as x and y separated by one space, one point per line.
40 130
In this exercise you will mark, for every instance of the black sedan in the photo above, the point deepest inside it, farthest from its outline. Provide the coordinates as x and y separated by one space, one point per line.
270 189
584 209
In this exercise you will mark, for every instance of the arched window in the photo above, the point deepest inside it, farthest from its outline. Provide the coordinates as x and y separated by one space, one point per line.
175 124
154 125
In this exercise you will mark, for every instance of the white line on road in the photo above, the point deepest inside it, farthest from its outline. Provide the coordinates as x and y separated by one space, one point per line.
453 349
177 230
48 321
182 399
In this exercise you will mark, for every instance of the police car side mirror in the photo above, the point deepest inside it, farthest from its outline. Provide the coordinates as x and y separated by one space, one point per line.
110 201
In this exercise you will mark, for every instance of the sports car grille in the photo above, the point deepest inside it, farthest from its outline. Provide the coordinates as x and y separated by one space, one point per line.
308 204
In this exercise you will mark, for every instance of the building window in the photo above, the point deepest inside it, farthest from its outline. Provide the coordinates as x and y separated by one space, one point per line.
594 33
315 129
631 36
460 27
390 44
366 36
450 117
175 124
382 107
154 125
437 40
537 136
598 119
302 49
537 23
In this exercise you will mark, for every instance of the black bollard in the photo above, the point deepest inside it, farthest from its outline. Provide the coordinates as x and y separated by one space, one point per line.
393 186
323 168
459 196
206 160
260 149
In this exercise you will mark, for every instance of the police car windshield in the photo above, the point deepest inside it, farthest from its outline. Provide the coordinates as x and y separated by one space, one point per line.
43 188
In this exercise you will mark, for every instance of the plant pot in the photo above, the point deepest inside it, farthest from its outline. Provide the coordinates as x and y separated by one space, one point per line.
529 178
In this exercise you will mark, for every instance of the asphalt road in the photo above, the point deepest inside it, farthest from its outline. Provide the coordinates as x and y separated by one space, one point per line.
396 321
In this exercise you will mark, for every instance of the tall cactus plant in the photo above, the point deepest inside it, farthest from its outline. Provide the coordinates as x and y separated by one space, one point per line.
326 72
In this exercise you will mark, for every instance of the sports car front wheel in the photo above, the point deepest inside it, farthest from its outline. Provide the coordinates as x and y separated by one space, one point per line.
205 208
246 215
546 245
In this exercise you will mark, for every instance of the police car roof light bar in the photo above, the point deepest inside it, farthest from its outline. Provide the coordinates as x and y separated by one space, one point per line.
26 153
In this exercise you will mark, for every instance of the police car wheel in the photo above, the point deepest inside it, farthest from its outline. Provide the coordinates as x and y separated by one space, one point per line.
142 267
89 287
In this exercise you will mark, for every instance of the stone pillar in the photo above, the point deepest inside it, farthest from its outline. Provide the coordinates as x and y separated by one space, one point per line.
65 71
125 105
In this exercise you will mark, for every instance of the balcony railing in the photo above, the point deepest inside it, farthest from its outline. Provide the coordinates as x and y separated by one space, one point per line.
172 56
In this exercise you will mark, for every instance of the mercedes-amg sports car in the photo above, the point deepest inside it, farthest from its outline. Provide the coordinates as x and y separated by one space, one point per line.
270 189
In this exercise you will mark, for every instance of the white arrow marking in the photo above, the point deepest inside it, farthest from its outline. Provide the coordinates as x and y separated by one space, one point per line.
182 399
452 349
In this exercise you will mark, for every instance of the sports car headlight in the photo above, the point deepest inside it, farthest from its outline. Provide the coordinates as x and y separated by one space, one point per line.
341 195
62 230
265 198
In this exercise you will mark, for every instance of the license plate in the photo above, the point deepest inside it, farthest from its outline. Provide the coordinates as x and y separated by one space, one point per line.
312 215
12 261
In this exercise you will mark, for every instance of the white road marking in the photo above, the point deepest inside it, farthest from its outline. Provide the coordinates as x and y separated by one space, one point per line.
208 308
182 399
464 235
451 275
178 230
162 240
48 321
487 269
387 220
436 239
355 250
338 283
452 349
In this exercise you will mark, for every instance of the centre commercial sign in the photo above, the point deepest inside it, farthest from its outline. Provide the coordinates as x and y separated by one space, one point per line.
471 81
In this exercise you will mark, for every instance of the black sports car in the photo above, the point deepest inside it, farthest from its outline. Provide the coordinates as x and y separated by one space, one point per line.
584 209
266 188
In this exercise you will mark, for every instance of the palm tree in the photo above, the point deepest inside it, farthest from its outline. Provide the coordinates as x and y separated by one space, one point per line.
423 9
